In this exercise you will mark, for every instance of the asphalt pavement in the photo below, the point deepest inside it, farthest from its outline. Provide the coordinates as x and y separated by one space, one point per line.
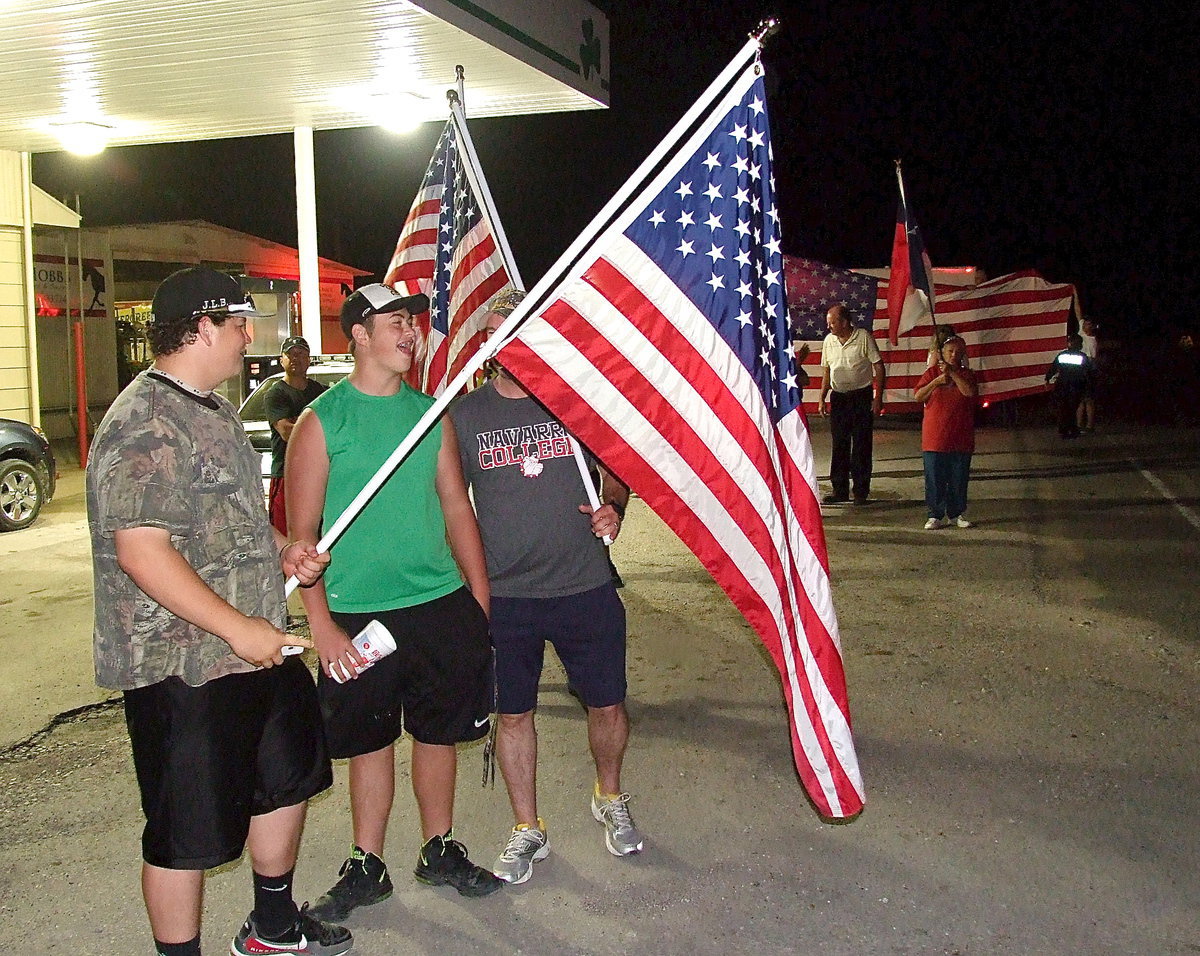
1024 704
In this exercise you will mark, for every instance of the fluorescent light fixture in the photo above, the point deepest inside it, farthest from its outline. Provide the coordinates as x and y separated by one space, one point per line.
82 137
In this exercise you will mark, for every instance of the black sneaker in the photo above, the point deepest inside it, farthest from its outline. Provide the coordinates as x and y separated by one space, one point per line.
308 936
364 880
443 862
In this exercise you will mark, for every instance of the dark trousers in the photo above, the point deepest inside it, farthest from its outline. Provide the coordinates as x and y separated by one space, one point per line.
1068 395
850 423
946 476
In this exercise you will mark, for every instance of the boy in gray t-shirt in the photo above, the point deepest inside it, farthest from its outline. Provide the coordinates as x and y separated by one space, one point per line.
550 581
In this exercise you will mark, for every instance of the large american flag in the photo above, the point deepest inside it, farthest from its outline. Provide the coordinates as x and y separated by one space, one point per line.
447 249
1013 325
813 288
667 351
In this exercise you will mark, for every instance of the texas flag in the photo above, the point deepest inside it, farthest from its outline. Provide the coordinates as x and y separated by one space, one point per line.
910 286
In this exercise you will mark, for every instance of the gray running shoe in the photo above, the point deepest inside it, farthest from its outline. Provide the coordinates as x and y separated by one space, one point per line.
620 835
526 845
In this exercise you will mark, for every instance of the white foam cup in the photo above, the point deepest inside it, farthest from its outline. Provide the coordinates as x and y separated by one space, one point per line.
373 643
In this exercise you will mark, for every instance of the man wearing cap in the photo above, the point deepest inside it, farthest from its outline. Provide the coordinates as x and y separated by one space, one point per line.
401 562
224 725
550 583
287 398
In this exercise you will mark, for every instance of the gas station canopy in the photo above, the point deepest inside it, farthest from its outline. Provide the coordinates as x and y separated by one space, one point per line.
125 72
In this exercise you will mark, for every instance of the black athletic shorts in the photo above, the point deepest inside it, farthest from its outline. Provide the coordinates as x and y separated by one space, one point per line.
438 684
209 758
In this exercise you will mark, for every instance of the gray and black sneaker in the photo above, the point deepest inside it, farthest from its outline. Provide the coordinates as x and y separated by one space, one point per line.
443 862
364 880
307 937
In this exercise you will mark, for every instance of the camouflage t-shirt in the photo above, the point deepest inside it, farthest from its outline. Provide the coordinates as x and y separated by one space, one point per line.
166 458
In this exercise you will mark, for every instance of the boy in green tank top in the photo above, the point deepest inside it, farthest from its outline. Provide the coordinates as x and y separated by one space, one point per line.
403 562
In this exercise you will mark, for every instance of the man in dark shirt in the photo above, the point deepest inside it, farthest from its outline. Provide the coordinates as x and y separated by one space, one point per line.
1073 375
286 400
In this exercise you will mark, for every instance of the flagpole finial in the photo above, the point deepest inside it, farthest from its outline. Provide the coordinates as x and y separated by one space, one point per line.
897 163
452 97
460 84
766 29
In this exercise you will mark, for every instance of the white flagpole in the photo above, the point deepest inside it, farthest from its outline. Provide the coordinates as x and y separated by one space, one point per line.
900 180
479 185
544 285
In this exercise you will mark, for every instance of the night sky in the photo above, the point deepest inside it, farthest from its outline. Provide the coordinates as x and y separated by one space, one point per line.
1050 135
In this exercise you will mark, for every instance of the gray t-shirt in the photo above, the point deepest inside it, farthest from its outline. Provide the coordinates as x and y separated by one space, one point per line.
166 458
517 460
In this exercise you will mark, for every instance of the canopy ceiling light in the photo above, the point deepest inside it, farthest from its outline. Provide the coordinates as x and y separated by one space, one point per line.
397 111
82 137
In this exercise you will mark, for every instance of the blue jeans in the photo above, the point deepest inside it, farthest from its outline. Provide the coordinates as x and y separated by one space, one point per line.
946 476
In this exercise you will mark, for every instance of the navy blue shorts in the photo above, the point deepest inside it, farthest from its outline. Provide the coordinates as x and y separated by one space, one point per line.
587 631
209 758
437 685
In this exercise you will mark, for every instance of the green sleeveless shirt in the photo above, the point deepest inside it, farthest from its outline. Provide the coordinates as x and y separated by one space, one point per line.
395 553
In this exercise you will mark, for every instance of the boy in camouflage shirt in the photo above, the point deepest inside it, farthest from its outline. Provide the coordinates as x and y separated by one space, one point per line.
224 727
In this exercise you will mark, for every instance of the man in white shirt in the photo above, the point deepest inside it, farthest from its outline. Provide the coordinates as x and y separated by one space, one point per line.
1086 415
852 378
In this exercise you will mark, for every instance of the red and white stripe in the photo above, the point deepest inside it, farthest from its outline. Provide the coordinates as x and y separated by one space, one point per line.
412 266
630 365
1013 325
477 272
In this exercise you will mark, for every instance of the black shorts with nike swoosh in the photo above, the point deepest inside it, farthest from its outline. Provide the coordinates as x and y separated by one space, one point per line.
438 685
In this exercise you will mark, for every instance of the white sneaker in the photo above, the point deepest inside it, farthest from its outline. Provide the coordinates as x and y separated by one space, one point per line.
961 522
620 835
934 523
525 846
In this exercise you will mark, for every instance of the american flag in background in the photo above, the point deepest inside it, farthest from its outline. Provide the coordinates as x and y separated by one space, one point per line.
447 250
1013 325
667 351
813 288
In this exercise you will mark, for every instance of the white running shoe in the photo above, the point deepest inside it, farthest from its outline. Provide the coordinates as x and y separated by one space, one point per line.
525 846
620 835
934 523
961 522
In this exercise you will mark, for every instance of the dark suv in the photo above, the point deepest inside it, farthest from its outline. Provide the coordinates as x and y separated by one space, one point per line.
27 474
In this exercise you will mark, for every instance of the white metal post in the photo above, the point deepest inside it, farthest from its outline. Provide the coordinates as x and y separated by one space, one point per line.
306 242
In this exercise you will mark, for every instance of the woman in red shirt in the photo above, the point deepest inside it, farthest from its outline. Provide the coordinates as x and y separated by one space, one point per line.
948 391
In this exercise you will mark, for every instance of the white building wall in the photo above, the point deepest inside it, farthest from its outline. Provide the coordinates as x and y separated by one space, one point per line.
14 345
15 398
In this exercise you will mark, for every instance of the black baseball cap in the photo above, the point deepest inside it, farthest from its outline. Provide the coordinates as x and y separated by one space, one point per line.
377 299
199 291
294 342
